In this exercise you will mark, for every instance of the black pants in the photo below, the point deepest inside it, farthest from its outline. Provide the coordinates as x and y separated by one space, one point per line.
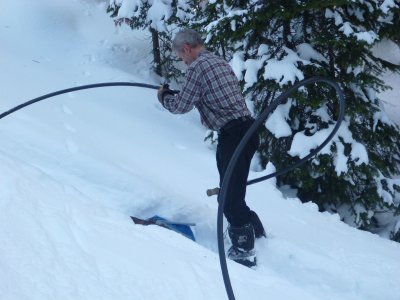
236 211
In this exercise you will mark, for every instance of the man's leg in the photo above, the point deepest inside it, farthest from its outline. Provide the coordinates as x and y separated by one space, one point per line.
236 211
238 214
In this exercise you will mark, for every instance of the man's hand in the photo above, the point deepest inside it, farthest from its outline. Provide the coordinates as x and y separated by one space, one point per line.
162 91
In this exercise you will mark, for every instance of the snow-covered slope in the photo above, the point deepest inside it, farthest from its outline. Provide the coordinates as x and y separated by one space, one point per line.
390 51
74 168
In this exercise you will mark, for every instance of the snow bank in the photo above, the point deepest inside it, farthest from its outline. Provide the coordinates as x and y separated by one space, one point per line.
74 168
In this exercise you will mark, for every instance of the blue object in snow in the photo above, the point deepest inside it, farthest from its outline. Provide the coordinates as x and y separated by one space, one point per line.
180 227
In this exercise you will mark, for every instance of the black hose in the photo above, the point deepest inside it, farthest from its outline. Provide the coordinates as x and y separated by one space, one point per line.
78 88
236 154
232 163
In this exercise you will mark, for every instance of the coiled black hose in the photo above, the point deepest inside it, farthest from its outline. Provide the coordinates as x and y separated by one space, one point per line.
222 194
228 174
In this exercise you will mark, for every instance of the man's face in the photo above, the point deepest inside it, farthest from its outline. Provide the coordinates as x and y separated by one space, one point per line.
187 55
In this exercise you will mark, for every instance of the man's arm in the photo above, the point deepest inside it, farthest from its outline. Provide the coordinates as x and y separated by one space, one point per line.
189 95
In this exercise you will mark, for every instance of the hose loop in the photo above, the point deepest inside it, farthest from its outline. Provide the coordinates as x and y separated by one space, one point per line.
257 123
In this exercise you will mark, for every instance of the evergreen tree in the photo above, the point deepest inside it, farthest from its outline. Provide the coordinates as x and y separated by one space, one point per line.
161 17
272 44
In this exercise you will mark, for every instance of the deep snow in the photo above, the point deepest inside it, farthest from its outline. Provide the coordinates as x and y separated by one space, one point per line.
74 168
389 51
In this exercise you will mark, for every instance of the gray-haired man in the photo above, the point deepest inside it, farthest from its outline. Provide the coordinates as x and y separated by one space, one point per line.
212 87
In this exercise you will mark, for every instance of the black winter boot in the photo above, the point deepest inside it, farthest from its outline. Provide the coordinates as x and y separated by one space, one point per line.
258 226
242 249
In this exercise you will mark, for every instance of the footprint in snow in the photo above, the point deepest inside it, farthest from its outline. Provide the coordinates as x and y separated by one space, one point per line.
66 109
72 146
69 128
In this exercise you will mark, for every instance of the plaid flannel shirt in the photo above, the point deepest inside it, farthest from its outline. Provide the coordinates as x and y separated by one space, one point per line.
212 87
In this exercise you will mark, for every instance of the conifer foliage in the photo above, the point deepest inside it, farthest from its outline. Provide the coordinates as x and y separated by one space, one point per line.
161 17
271 45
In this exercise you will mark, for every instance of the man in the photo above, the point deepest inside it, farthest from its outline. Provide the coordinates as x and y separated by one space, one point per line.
212 87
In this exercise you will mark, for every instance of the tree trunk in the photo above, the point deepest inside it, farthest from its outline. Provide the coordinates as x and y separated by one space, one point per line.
156 51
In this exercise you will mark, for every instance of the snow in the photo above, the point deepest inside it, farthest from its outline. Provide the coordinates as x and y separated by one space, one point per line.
129 9
349 29
346 28
322 113
284 70
368 36
252 66
359 154
382 117
159 11
386 5
263 49
74 168
276 122
391 98
237 64
307 52
390 51
303 144
230 14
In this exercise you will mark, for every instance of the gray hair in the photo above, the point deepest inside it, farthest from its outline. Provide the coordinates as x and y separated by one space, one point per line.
186 36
